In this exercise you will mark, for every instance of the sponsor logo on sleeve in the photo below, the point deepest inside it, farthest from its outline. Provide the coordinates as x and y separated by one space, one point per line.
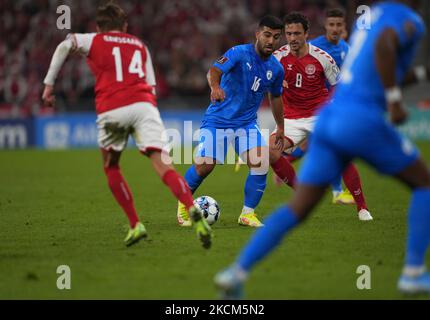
222 60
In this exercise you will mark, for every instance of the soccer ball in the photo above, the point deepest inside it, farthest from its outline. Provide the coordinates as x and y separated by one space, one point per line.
209 207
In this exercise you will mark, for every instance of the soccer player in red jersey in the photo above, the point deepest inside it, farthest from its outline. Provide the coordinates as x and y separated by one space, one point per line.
125 105
307 68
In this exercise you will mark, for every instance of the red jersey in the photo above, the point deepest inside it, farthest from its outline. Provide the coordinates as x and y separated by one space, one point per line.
122 66
304 80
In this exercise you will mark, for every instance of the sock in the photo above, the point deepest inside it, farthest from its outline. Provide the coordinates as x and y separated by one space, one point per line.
254 189
291 158
298 153
268 237
179 187
193 179
122 193
353 183
285 171
247 210
418 228
336 186
413 271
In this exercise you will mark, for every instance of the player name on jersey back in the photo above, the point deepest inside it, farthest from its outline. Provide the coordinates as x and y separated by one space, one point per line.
116 39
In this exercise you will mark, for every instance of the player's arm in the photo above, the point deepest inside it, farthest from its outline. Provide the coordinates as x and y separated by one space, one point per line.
57 61
223 65
386 60
214 81
278 115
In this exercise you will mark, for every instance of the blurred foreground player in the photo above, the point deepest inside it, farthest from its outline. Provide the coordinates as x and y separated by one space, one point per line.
125 105
378 63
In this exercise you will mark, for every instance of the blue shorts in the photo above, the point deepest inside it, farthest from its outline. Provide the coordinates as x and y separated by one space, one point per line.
346 132
214 142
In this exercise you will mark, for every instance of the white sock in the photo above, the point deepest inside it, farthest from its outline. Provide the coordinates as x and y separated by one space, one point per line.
336 193
413 271
247 210
241 274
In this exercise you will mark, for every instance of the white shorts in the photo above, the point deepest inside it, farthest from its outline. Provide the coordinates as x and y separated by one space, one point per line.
141 120
298 130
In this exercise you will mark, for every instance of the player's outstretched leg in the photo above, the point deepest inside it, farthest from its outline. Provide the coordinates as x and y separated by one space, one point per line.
123 196
280 164
297 154
194 178
415 279
230 281
284 170
257 160
179 187
353 183
254 189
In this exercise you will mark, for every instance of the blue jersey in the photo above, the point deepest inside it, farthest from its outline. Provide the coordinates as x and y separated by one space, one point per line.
246 79
337 51
360 80
353 125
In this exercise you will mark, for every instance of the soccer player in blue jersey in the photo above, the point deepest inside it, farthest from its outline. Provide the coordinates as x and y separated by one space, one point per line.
239 80
376 66
332 42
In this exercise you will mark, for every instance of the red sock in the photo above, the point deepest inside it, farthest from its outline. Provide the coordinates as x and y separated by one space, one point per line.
353 183
179 187
291 158
122 193
285 171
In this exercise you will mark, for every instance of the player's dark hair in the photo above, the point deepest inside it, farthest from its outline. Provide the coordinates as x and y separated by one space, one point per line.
271 22
335 13
110 16
297 17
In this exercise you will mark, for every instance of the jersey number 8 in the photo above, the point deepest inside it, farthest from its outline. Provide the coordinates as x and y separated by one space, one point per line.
299 80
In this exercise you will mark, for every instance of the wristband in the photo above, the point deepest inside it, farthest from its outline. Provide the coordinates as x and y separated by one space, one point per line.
393 95
420 73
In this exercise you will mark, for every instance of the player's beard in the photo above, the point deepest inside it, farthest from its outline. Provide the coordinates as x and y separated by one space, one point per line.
262 50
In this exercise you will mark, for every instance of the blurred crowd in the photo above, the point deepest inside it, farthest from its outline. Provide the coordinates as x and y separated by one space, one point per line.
184 37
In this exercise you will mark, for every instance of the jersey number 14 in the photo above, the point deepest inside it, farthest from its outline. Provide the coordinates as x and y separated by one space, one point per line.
134 67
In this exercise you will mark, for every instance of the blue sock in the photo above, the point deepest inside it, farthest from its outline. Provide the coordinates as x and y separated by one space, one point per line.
254 189
267 237
419 227
336 185
192 178
298 153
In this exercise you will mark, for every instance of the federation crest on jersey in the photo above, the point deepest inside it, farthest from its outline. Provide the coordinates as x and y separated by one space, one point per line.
310 69
269 74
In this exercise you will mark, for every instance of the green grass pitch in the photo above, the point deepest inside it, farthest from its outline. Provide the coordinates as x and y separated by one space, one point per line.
56 209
